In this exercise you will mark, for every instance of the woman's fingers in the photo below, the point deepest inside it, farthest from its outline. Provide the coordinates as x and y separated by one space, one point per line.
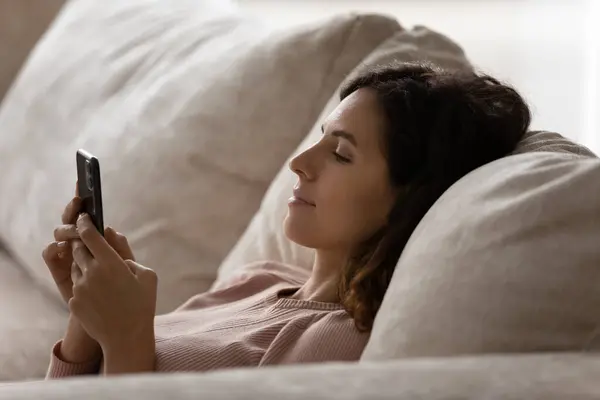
50 253
71 211
65 232
119 242
96 243
81 255
75 272
145 274
55 251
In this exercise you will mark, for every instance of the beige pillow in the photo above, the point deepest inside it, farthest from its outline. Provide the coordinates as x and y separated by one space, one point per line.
508 260
264 238
22 23
191 107
552 142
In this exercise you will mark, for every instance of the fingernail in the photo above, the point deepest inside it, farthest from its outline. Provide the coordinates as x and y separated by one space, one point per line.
82 216
61 244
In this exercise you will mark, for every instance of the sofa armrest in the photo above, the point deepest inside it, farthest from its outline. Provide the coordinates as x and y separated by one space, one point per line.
532 377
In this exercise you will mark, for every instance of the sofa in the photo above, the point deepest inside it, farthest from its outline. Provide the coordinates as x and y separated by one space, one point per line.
194 109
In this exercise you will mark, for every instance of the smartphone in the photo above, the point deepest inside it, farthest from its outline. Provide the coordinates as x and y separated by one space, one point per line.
90 189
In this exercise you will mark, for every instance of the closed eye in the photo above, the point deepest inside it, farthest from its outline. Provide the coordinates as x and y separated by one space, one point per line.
341 134
341 158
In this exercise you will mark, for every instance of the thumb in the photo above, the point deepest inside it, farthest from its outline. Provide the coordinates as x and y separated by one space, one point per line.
118 242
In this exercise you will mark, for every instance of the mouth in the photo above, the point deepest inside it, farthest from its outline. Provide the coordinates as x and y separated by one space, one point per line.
298 199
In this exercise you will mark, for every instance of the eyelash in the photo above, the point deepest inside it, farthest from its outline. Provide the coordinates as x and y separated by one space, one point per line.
340 158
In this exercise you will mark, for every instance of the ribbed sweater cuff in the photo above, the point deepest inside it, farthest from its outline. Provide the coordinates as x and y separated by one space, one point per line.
60 369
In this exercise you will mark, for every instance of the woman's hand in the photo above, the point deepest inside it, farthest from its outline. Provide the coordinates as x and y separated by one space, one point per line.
114 299
77 346
57 255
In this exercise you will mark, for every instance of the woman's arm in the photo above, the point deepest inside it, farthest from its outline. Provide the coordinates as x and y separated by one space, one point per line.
77 346
76 354
131 355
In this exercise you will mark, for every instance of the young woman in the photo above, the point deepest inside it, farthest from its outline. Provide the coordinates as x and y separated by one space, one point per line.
400 137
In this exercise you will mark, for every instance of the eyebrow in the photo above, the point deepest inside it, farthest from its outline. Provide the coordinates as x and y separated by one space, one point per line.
343 134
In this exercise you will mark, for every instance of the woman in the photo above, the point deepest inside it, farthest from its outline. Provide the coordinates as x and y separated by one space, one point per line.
400 137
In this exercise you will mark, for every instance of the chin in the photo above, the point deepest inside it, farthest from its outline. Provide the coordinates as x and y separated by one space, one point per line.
300 232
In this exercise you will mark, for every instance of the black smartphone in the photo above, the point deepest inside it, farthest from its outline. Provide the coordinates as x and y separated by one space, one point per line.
89 187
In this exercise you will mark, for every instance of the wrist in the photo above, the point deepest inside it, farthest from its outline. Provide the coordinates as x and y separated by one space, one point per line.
77 346
130 354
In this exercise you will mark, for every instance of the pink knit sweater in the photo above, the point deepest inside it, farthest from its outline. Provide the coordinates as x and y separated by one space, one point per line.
245 323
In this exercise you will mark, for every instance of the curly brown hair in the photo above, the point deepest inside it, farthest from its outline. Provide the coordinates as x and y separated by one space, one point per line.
440 126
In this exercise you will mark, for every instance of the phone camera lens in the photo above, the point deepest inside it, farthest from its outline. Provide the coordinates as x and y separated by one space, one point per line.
90 182
88 176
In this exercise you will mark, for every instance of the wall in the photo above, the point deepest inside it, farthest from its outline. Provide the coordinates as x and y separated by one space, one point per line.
592 126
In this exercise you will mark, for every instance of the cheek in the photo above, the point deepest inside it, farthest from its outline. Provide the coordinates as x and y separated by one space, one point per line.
353 215
341 219
351 206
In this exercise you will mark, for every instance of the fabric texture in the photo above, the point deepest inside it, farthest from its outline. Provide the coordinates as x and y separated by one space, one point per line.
507 261
264 238
533 377
30 323
22 23
536 141
249 322
179 101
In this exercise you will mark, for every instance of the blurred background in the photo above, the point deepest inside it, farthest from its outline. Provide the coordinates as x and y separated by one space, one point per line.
548 49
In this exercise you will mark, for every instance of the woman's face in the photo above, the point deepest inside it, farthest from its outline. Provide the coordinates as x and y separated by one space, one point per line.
343 194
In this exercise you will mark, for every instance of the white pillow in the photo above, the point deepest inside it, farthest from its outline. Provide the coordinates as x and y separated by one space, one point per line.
264 238
191 107
507 260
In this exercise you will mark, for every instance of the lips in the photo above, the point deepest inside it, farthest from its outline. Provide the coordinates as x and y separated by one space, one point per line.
302 198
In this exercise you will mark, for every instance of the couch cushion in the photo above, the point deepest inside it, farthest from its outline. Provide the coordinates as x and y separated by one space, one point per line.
264 238
191 107
507 260
531 377
22 23
536 141
30 323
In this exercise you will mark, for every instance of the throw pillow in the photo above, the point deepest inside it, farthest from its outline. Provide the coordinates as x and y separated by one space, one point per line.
507 261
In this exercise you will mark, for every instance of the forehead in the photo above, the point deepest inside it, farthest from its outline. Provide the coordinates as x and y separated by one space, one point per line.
359 114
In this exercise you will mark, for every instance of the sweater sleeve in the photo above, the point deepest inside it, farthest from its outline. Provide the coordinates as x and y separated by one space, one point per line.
61 369
329 339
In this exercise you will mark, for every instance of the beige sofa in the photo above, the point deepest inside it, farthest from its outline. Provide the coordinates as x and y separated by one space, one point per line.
193 109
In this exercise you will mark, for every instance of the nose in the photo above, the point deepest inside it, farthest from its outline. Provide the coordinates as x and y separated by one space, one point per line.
301 166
